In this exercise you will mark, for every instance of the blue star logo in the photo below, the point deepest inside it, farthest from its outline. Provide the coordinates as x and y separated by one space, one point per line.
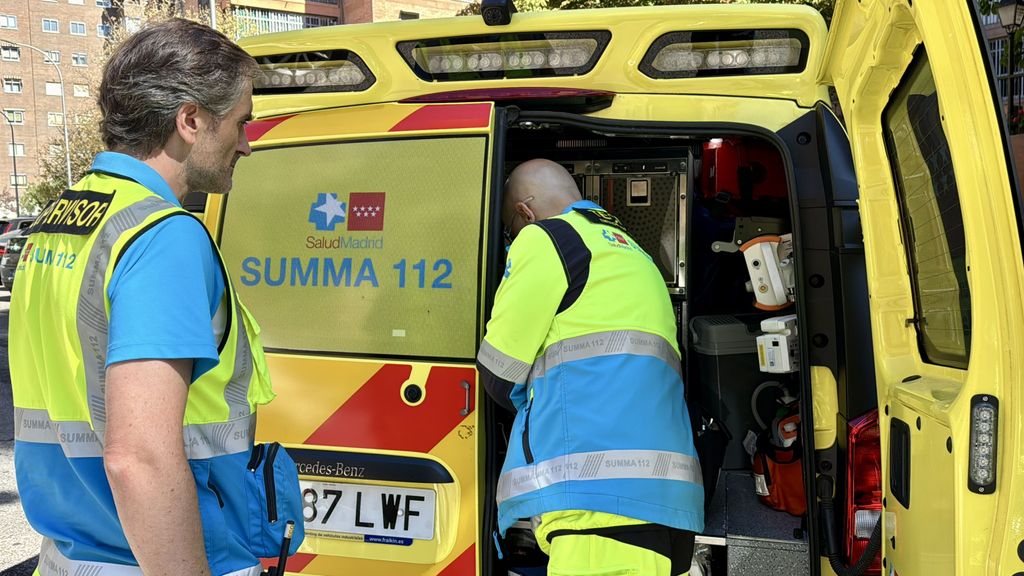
508 268
327 212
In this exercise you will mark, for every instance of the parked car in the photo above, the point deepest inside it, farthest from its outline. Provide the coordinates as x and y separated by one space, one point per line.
11 257
14 229
19 223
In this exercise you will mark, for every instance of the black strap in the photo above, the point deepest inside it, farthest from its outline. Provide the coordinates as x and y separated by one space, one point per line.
575 257
230 306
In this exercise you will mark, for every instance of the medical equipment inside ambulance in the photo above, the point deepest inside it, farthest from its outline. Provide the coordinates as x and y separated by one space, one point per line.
713 214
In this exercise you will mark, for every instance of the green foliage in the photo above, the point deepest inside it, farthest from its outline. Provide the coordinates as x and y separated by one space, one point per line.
84 136
83 130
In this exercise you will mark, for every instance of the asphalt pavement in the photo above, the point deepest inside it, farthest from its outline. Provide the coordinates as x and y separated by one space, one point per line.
19 545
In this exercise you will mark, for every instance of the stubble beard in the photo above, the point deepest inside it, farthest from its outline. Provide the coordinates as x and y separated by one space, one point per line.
201 177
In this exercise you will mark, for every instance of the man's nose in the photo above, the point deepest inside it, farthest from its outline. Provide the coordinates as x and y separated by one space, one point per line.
243 145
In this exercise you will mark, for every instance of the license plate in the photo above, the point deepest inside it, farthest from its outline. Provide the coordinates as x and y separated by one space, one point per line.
373 511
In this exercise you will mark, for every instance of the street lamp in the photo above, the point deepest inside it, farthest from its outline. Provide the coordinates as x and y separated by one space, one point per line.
63 106
1011 16
14 159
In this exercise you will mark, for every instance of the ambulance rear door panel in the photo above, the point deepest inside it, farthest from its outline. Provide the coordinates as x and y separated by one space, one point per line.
941 224
355 236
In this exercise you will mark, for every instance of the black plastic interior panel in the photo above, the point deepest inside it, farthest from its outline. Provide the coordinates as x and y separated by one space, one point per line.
899 461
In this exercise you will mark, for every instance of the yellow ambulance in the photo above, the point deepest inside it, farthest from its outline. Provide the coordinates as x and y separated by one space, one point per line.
826 268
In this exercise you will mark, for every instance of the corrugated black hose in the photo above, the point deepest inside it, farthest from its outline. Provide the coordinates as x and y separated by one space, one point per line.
827 507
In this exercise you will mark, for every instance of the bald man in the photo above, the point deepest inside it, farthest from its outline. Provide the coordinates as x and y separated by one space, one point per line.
581 345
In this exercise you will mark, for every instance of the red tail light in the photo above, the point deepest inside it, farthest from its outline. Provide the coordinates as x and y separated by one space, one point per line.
863 487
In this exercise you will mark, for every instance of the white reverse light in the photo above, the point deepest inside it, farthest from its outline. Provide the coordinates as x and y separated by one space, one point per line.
557 55
767 55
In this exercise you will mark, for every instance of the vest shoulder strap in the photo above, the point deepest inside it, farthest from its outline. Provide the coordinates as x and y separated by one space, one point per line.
575 257
229 309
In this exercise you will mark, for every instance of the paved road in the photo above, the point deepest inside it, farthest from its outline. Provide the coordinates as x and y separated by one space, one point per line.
18 543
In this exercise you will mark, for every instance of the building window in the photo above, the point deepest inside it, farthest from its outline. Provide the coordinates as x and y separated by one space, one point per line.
15 149
331 2
990 19
79 59
19 180
10 53
79 2
51 25
1001 69
54 119
103 30
55 150
78 28
52 57
12 85
260 21
103 3
8 22
132 25
53 88
14 116
318 21
403 15
81 91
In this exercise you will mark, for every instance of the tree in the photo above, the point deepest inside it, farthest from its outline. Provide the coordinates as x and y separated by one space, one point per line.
83 122
84 136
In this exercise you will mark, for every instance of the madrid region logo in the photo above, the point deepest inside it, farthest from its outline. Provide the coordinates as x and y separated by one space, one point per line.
363 211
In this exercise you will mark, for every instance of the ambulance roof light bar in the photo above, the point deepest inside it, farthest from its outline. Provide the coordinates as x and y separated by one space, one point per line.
520 55
315 71
726 53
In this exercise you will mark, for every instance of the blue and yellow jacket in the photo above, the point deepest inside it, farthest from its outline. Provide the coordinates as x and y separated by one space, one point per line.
582 345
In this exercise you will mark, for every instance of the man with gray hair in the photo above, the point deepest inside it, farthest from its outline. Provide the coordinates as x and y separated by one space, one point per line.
136 370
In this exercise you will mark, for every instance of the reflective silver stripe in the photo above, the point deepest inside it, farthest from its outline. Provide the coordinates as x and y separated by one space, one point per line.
502 365
236 393
606 344
53 563
92 315
78 440
607 465
220 438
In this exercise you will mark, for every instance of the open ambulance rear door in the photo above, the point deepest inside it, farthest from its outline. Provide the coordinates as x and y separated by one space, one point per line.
357 238
941 218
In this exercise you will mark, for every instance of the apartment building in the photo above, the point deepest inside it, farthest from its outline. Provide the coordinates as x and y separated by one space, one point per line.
997 47
48 48
264 16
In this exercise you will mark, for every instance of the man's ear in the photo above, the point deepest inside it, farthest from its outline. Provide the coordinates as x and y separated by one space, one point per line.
187 122
524 210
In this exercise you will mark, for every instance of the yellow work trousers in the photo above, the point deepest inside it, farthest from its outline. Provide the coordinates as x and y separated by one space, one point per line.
574 554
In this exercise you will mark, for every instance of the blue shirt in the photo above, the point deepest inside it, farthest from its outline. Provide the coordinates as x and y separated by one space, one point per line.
168 286
582 205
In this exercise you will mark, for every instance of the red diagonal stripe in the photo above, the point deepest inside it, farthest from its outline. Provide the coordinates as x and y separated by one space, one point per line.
375 417
446 117
256 129
296 562
464 565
